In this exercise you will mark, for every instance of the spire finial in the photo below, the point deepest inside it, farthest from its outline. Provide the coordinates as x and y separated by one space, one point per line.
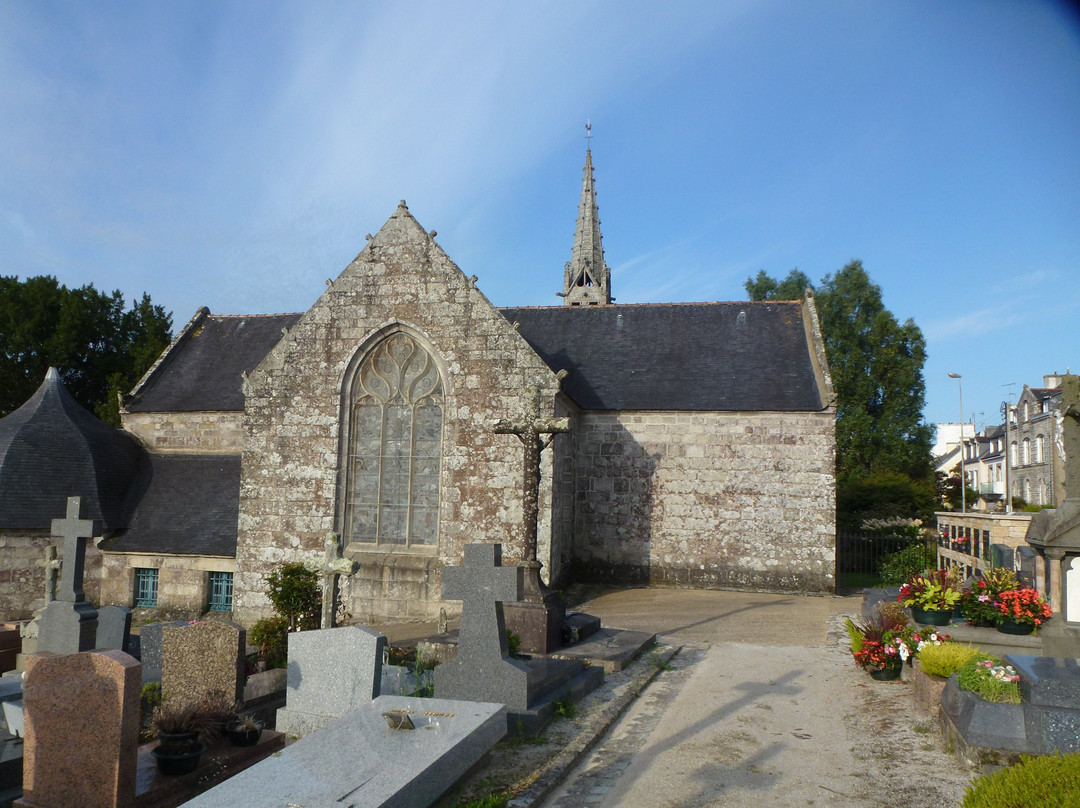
588 134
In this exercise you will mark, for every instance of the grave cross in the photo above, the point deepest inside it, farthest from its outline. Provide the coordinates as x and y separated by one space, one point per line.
1070 429
333 566
74 531
52 569
532 432
482 583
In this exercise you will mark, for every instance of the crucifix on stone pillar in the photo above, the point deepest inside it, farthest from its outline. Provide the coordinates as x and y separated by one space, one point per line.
333 567
538 618
52 570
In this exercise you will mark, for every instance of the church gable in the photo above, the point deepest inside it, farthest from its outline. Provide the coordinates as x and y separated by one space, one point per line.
400 341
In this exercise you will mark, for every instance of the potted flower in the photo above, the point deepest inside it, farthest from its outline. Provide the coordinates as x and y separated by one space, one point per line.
932 596
1021 611
178 725
978 604
880 645
244 730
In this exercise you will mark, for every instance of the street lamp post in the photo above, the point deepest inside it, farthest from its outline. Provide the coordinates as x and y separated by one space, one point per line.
963 479
1008 495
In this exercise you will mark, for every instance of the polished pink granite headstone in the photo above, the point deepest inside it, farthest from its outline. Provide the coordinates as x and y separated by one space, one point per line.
82 730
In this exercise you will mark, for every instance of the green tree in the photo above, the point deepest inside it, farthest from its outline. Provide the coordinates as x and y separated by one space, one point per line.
98 347
876 365
293 589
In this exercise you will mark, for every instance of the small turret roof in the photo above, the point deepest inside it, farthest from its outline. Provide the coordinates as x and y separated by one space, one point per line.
51 448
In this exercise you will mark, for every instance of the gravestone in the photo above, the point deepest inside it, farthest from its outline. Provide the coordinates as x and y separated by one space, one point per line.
69 623
358 760
202 658
82 730
114 628
150 637
483 670
334 566
1001 555
1025 566
331 672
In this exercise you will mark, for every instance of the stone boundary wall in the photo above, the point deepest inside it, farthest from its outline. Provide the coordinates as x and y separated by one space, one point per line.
211 432
183 582
709 499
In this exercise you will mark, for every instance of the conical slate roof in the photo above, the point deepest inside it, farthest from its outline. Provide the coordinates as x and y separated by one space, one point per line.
51 448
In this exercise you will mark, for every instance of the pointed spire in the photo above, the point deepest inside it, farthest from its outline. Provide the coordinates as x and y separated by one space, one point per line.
587 280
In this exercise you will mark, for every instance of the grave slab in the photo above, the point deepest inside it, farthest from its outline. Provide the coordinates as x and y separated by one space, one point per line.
1048 681
331 672
358 760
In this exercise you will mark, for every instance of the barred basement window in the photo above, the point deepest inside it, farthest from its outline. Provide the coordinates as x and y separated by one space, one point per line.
146 587
221 591
395 446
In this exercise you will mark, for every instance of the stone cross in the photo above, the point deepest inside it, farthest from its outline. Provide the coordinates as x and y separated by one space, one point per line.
482 669
52 567
333 566
75 532
532 431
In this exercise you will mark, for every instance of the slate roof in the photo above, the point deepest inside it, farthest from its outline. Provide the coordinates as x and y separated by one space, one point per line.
191 507
51 448
739 356
201 370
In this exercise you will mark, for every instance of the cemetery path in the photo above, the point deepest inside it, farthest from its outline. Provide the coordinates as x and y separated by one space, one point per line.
762 705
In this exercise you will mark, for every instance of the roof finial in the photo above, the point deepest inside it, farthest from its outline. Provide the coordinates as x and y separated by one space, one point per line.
588 134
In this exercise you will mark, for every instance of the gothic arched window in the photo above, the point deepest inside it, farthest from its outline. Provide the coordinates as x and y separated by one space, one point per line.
395 412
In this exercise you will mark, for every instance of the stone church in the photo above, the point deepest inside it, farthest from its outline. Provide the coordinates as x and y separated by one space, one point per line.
700 453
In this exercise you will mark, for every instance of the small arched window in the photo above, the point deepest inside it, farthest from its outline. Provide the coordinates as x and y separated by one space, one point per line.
1025 452
1012 454
1039 448
395 412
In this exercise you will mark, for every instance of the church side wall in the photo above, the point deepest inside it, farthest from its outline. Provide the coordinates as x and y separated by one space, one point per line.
742 500
210 432
183 583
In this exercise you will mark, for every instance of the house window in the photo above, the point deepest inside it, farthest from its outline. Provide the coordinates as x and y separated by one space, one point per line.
1012 454
1039 448
221 591
146 587
1025 453
395 446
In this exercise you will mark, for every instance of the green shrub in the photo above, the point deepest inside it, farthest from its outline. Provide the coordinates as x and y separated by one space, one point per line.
990 679
897 568
271 634
1050 781
294 591
946 659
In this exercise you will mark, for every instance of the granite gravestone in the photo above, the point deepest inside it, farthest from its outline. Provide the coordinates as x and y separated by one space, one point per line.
82 730
69 624
359 760
483 670
201 659
331 672
114 629
150 639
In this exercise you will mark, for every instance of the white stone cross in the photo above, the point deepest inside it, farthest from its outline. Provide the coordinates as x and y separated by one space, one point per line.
333 566
74 531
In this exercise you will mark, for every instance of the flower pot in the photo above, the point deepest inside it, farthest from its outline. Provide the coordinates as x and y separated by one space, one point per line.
172 763
1008 626
931 617
984 622
243 737
885 674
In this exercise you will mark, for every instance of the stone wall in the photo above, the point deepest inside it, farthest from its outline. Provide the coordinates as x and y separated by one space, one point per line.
296 401
183 583
22 577
707 499
215 432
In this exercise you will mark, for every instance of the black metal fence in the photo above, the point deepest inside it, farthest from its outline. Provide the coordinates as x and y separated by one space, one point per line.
862 558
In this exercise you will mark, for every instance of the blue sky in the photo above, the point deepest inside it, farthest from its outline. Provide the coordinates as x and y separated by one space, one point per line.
234 155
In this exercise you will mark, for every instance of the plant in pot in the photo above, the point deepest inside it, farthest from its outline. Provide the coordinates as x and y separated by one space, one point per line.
1021 611
880 643
932 596
979 603
178 725
244 730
